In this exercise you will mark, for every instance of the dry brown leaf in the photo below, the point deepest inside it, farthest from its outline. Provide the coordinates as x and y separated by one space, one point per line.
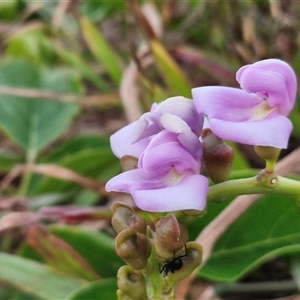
129 92
63 173
55 171
90 100
18 219
13 203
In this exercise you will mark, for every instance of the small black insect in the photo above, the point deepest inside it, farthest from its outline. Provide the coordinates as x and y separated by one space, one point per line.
173 265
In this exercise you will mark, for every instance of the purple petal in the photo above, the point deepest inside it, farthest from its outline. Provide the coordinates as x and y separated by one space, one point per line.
271 84
169 155
225 103
184 109
272 131
188 139
181 108
190 193
146 126
251 82
121 142
132 180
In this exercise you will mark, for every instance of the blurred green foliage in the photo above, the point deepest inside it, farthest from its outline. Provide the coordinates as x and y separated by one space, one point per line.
65 69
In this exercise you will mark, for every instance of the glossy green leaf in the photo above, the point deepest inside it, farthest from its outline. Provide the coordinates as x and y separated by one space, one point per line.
32 123
35 278
100 290
96 247
269 228
101 49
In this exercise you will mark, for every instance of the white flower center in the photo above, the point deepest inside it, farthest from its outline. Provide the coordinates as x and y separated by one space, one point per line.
261 111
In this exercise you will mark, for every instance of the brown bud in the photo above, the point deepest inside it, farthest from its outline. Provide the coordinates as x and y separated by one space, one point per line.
190 262
170 236
133 247
138 223
132 283
217 156
124 217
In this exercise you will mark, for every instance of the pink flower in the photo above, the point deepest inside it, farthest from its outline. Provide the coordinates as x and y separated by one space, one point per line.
177 115
166 143
167 179
256 115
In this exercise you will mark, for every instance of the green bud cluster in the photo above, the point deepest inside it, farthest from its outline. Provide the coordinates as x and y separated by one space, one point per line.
157 256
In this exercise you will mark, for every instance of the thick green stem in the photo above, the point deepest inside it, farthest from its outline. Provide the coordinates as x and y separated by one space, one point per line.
25 181
160 288
262 184
27 174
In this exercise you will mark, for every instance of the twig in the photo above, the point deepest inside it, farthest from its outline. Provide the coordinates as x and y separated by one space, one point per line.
59 97
61 9
54 171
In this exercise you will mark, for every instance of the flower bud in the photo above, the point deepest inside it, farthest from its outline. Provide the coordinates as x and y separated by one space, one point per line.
190 262
268 154
132 283
170 236
138 223
121 215
133 247
217 156
124 217
121 295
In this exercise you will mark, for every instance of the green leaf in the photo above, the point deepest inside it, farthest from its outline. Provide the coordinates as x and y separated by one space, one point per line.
8 161
96 247
295 269
59 255
76 62
170 71
99 10
8 10
101 49
101 290
35 278
89 156
89 163
31 44
77 144
270 227
32 123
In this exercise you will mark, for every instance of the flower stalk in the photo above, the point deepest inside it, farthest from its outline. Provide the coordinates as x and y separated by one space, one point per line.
261 184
